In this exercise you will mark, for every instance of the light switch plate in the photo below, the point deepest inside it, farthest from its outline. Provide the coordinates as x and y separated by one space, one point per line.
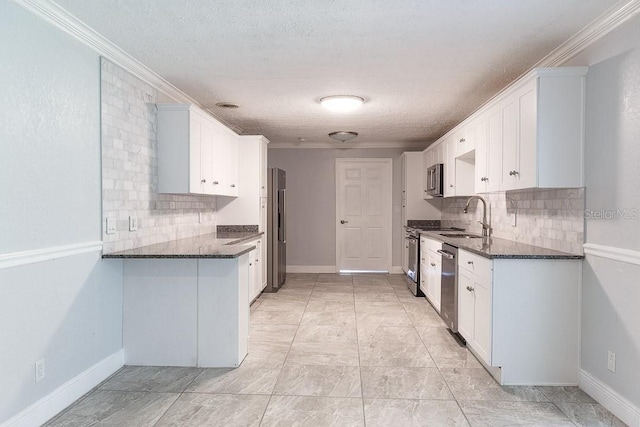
133 224
111 226
513 219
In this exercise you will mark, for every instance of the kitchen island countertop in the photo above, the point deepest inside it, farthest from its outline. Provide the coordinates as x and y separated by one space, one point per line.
213 245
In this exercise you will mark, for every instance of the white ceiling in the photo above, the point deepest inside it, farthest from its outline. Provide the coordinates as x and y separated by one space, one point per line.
421 65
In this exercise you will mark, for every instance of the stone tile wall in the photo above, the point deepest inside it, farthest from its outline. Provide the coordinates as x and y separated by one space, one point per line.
130 170
552 219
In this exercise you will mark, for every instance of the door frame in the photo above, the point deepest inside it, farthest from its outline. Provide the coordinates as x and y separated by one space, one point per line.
389 208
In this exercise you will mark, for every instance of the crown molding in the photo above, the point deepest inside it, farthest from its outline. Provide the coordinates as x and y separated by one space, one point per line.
415 145
57 16
613 18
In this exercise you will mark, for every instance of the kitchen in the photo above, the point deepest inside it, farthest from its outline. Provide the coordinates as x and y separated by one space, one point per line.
61 305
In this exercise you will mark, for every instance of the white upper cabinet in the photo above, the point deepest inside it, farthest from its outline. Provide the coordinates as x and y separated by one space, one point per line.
530 136
543 130
248 208
196 153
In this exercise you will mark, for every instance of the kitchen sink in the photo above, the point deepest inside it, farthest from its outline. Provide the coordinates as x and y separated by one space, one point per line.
461 235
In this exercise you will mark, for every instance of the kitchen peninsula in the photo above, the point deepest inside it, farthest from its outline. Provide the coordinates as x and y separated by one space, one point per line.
186 302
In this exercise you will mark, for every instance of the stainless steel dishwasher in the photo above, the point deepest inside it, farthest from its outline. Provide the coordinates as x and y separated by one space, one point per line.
449 287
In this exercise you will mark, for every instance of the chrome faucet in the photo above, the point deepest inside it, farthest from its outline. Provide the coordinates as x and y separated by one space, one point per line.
486 227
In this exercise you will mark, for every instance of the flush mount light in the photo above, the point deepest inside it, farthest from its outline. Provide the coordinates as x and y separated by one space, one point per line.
341 103
227 105
343 136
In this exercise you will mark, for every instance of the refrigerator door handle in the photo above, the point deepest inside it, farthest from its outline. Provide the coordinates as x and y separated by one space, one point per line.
284 216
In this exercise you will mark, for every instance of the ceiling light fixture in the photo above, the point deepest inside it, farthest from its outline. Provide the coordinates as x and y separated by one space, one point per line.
343 136
227 105
341 103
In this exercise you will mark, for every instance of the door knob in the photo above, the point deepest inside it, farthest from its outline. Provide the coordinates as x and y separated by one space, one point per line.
342 221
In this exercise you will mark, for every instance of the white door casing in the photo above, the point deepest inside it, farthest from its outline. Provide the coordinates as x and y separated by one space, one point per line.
363 215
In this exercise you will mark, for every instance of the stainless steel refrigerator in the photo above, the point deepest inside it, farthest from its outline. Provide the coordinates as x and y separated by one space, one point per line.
276 230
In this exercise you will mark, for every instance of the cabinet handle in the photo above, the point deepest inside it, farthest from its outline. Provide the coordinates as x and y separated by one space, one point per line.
215 182
513 173
470 262
433 265
462 140
450 185
469 288
484 179
203 180
233 185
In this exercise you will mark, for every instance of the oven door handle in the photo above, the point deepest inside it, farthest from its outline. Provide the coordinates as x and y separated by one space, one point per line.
446 254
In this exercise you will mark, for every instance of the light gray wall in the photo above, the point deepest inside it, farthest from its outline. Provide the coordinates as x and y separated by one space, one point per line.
68 310
311 199
611 291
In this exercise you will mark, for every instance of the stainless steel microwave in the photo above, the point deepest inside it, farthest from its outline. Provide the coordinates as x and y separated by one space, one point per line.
435 180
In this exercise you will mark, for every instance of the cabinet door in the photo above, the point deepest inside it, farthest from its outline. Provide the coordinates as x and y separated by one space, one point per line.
263 169
482 155
219 161
450 167
510 115
232 164
252 276
482 318
425 275
404 177
206 158
465 304
263 262
195 137
526 172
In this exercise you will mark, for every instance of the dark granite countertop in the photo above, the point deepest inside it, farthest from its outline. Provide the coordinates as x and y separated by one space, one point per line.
214 245
495 248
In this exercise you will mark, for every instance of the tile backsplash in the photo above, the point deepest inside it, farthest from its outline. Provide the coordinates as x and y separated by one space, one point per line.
130 170
551 218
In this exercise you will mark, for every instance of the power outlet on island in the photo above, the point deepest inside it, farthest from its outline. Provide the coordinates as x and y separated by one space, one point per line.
611 361
40 370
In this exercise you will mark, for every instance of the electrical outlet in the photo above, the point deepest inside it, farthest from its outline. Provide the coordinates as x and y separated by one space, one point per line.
133 224
111 226
611 361
513 219
40 370
200 217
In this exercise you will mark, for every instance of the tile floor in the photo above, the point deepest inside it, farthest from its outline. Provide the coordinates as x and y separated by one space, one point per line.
337 351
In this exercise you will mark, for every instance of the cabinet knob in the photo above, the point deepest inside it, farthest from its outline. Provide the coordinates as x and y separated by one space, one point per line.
462 140
215 182
470 262
233 185
484 179
433 265
203 180
469 288
451 185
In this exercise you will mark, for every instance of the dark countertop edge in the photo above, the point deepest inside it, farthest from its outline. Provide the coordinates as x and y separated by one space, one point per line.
230 255
460 245
224 248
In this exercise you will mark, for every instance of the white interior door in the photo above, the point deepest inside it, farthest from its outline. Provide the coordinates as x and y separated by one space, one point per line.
363 214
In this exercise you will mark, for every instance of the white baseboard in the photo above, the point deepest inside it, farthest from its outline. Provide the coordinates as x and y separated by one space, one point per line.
396 269
618 405
311 268
63 396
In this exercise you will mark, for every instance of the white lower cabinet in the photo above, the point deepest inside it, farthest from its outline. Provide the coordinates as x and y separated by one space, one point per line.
430 270
520 317
257 269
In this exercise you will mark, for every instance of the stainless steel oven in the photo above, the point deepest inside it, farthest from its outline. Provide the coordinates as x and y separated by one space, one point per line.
413 272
